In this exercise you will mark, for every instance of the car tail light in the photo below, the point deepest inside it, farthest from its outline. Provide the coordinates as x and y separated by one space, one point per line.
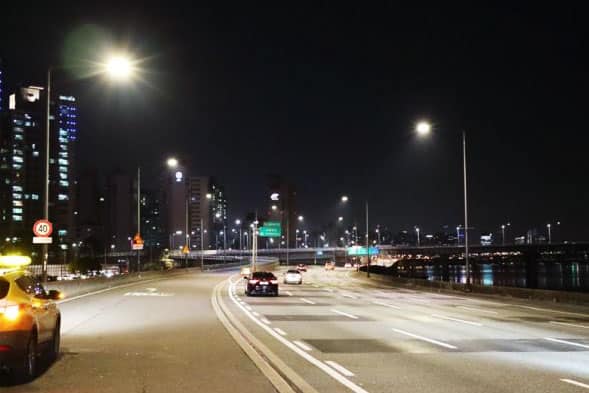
10 312
253 281
273 281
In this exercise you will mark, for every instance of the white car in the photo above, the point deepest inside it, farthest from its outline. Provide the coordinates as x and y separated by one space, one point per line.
348 265
293 277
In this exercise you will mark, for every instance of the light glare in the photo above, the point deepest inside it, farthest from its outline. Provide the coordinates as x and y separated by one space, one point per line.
423 128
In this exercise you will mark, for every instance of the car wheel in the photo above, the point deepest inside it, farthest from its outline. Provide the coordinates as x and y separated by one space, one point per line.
28 370
55 342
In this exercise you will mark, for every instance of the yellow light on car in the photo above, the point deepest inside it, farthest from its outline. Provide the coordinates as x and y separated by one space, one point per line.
11 312
14 260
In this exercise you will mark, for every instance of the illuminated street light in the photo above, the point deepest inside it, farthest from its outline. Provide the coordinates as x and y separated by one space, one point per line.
340 218
238 222
172 162
301 218
209 196
274 207
119 67
423 128
344 198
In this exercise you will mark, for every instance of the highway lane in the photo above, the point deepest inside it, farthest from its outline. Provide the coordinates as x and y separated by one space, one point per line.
379 339
156 337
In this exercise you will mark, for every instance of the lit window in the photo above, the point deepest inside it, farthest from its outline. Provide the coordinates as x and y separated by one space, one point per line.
16 166
17 218
17 188
62 132
51 161
61 161
63 147
16 203
63 176
17 159
17 210
16 195
64 183
35 197
62 232
18 137
63 154
63 197
17 152
62 140
63 169
35 154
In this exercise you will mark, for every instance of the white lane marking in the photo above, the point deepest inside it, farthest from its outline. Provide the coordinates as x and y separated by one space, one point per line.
570 324
457 320
429 340
280 331
267 322
328 289
576 383
311 359
345 314
67 300
302 345
256 314
548 310
288 293
315 286
348 295
248 307
478 310
340 368
556 340
307 301
386 305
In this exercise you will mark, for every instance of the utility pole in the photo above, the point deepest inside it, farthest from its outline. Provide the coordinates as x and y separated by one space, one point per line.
467 266
45 247
186 236
367 244
139 215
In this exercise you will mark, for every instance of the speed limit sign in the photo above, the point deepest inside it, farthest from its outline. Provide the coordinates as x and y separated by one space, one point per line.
42 228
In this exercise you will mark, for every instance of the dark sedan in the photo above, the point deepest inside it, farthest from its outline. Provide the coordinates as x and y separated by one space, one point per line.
261 283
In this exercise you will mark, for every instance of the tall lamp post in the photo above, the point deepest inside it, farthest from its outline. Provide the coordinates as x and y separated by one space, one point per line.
117 68
423 129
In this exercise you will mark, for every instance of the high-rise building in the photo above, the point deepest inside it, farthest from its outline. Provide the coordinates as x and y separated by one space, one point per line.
22 165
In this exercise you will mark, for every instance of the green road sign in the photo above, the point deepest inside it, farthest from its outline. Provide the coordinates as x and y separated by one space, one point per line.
271 229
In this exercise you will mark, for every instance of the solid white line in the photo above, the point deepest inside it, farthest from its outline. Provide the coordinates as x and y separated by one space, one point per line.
478 310
350 296
288 293
429 340
556 340
107 289
345 314
280 331
248 307
386 305
457 320
302 345
340 368
576 383
311 359
548 310
569 324
328 289
267 322
256 314
307 301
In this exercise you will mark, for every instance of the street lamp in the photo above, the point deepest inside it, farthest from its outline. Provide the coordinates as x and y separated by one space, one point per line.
549 227
423 129
301 218
172 162
418 239
344 198
118 68
503 234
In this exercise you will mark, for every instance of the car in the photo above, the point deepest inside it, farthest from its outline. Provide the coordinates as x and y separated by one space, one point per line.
301 267
261 283
348 265
329 266
30 320
293 277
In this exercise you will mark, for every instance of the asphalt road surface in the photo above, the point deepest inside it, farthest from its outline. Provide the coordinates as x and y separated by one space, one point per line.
344 334
159 336
335 332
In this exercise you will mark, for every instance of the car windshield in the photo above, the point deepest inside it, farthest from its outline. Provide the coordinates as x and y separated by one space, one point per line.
4 286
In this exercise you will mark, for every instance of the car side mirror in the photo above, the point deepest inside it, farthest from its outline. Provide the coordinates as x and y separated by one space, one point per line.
55 295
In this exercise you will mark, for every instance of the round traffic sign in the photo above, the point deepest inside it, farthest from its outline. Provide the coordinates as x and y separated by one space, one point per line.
42 228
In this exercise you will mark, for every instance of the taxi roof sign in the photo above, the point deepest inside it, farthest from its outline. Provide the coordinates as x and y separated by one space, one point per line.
14 261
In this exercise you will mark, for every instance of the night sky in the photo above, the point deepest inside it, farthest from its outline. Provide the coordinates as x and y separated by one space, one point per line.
328 96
